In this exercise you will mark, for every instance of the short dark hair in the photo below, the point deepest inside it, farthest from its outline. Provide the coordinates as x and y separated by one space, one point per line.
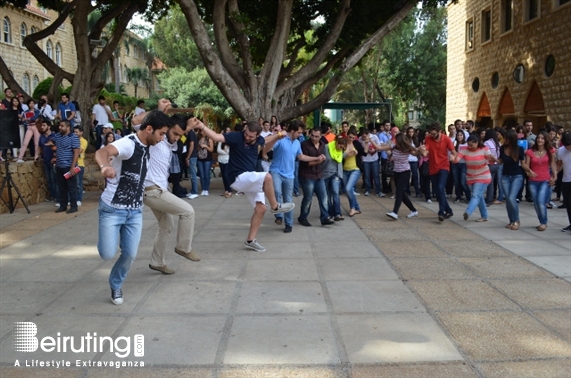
177 119
65 94
344 123
475 138
140 102
101 98
566 139
115 102
254 127
435 126
156 119
7 89
295 125
66 122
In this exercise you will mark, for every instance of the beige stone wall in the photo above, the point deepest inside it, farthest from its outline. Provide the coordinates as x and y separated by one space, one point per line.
19 60
528 43
30 179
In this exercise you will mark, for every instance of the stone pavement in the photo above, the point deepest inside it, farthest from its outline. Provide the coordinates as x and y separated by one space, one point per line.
365 297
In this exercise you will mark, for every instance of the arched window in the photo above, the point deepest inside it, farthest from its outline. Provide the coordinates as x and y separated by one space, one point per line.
58 54
50 49
125 74
120 73
33 30
7 31
26 83
35 82
23 33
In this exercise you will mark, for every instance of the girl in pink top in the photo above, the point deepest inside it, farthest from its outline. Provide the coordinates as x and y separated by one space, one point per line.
542 173
478 175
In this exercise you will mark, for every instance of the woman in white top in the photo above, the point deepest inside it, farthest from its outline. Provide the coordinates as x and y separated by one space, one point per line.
459 170
413 162
491 141
223 157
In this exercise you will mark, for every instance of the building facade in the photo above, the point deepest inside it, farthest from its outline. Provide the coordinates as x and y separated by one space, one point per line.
28 72
509 59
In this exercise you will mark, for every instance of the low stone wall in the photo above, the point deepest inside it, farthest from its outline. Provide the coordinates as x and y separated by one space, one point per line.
30 179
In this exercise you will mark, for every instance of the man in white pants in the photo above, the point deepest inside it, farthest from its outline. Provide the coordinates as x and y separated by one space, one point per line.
164 204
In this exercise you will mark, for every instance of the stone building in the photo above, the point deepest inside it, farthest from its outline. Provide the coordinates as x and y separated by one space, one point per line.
509 59
17 23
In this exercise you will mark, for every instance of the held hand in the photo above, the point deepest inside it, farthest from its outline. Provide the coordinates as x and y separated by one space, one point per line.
532 173
108 172
71 172
164 105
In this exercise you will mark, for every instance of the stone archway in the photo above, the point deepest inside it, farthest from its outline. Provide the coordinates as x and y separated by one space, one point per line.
534 108
484 114
506 109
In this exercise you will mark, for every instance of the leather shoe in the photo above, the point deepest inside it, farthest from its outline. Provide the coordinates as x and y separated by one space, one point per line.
72 210
304 222
278 221
163 269
287 229
188 255
61 209
326 222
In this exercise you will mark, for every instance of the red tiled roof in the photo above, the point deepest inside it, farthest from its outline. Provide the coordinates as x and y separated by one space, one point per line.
37 11
158 65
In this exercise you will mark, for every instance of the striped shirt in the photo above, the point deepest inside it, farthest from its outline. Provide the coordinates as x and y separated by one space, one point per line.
477 170
65 145
401 161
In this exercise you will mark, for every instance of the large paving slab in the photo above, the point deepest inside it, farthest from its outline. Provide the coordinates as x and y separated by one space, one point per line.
365 297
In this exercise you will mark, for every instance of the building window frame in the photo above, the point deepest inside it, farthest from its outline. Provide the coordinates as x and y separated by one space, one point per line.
6 30
506 14
469 35
59 55
26 82
556 4
486 25
23 33
531 11
50 49
35 82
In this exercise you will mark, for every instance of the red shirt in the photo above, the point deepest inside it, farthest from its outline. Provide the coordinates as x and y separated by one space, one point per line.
438 153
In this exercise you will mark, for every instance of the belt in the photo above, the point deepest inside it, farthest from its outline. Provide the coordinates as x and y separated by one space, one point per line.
152 187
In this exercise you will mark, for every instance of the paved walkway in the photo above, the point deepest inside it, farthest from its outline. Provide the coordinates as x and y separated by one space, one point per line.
365 297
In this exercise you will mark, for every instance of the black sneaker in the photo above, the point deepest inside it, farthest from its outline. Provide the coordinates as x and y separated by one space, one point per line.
327 222
448 215
117 296
441 217
566 229
287 229
304 222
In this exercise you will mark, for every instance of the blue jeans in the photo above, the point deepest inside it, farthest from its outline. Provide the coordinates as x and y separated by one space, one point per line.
460 185
224 174
332 185
371 168
296 178
123 227
539 191
283 188
350 179
477 200
310 187
50 173
511 186
494 169
193 180
439 188
204 172
80 184
501 194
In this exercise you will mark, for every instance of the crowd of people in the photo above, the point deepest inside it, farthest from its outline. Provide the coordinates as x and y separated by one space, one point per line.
271 162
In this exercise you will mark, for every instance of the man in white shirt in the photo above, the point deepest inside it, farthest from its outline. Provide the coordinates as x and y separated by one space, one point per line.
140 109
101 114
564 162
166 205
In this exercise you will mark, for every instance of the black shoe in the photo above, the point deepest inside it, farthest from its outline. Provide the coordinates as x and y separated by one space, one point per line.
72 210
61 209
566 229
278 221
287 229
326 222
441 217
304 222
448 215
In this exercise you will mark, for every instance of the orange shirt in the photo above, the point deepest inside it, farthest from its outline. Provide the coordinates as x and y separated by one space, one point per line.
330 137
438 153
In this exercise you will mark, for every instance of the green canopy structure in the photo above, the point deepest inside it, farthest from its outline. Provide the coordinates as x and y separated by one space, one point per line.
350 105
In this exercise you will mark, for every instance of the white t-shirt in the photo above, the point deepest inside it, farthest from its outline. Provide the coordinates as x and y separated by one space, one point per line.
368 158
564 155
139 111
101 115
159 163
126 192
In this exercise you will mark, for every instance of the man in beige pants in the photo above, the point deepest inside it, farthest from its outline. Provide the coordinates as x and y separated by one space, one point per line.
164 204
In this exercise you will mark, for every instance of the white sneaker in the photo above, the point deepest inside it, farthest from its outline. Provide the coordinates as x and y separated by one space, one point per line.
428 201
412 214
202 193
205 193
57 204
19 161
117 297
191 196
392 197
393 215
284 208
356 193
255 246
366 194
78 203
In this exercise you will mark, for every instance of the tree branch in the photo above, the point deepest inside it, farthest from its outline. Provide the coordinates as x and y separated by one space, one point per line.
229 88
31 39
308 69
97 29
244 46
223 45
9 78
287 70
